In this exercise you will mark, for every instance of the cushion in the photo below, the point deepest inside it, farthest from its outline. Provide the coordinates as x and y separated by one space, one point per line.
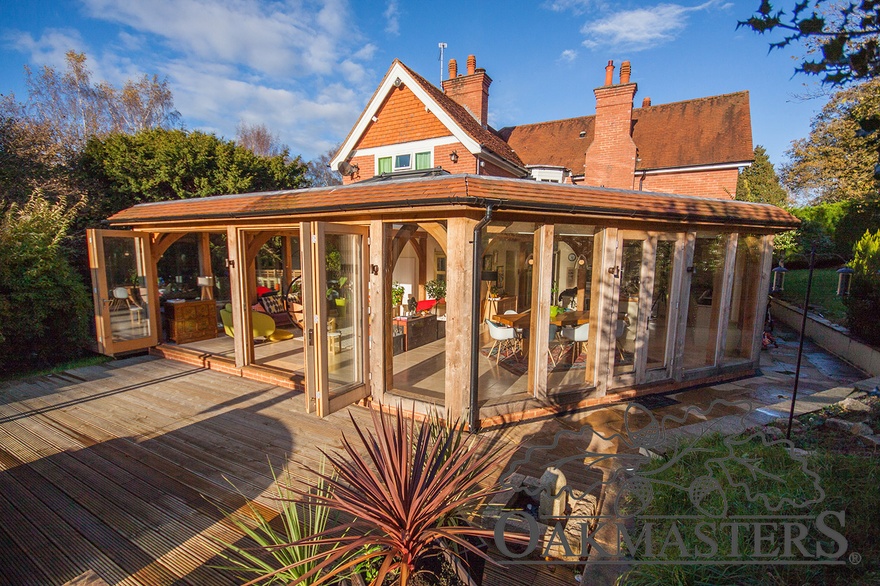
273 304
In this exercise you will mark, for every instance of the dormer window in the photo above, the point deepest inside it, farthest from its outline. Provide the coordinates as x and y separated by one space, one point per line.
402 162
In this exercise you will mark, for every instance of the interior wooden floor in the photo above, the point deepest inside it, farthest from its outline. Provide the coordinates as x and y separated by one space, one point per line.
126 469
419 374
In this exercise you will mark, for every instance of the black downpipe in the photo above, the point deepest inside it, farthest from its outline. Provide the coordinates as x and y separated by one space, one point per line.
474 409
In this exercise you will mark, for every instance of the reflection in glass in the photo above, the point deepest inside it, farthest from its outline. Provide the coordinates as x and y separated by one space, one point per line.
569 326
344 275
746 280
507 249
705 301
127 287
658 320
628 307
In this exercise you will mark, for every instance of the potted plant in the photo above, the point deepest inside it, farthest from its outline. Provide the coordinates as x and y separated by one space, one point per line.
397 292
436 289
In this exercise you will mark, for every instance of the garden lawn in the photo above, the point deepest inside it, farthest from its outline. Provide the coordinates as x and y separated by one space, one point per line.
823 296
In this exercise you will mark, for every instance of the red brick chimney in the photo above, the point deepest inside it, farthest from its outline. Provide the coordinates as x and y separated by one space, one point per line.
471 90
611 158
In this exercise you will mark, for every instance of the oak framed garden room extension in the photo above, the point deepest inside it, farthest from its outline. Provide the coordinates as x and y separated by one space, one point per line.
557 296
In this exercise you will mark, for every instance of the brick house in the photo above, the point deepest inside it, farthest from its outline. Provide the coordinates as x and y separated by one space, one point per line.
571 279
694 147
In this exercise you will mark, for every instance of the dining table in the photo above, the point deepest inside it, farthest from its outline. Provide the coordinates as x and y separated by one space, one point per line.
522 320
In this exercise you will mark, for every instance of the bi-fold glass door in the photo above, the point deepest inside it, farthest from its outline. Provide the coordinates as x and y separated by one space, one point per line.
123 285
335 300
643 306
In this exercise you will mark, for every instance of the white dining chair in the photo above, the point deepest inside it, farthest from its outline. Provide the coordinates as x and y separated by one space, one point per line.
502 336
576 335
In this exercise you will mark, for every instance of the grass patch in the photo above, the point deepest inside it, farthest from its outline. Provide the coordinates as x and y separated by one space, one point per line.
90 360
715 480
823 295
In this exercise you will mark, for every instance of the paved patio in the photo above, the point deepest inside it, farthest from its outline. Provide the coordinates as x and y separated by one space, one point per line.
124 468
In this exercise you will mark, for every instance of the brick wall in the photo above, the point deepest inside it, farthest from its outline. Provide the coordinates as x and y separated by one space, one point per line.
611 157
467 163
489 169
719 183
401 118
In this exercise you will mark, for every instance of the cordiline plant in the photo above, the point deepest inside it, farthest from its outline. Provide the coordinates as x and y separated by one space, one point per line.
289 558
409 488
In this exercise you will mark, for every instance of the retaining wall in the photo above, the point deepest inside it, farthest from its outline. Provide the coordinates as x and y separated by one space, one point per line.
832 337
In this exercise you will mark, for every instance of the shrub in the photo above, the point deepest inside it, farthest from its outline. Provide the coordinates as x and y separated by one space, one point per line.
409 488
863 303
44 305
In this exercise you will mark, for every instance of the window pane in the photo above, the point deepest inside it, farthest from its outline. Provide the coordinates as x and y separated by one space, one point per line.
385 165
625 326
402 161
659 319
746 281
705 301
423 160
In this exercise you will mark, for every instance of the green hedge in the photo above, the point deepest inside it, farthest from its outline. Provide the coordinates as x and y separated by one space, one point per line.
44 305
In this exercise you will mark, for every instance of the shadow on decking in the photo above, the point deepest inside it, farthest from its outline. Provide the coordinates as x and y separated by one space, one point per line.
136 509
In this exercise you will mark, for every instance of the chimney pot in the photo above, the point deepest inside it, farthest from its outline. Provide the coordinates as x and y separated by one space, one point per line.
609 72
453 69
471 64
625 70
646 102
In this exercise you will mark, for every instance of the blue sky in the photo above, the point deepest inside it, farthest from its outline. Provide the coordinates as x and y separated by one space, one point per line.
306 68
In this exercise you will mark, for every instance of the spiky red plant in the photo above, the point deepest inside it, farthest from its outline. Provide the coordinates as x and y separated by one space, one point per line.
408 488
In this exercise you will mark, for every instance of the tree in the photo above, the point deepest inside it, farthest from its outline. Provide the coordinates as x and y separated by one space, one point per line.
864 297
845 33
836 162
159 164
258 139
29 159
73 109
320 174
44 306
760 183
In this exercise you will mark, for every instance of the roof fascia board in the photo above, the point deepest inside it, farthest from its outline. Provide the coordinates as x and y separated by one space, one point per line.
397 70
503 163
717 167
403 147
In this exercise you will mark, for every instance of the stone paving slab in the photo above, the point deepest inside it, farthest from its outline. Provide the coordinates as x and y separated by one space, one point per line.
812 402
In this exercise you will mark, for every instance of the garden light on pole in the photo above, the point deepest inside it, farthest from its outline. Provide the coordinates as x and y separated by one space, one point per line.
844 280
778 278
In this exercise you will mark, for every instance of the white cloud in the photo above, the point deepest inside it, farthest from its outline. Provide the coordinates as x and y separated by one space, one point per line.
568 55
641 28
50 49
392 18
271 38
575 6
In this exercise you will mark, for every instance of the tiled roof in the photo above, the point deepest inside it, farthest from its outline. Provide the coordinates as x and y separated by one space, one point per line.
462 190
486 137
705 131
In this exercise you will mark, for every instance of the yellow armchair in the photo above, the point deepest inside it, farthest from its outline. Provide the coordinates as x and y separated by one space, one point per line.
262 324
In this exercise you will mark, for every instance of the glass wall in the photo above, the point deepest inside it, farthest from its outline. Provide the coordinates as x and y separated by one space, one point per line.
743 313
629 292
707 273
661 314
505 310
344 273
178 270
569 321
127 285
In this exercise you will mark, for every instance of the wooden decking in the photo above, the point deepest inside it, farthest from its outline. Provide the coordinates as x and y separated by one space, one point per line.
126 468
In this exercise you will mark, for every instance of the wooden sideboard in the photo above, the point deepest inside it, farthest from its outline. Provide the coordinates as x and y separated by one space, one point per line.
190 321
419 330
